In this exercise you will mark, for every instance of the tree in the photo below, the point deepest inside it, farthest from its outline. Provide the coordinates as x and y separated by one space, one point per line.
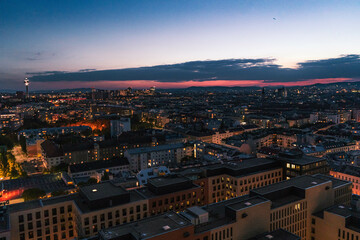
62 167
23 144
8 142
33 194
86 133
91 181
58 193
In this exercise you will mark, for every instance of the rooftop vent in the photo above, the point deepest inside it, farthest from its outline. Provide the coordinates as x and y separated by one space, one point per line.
167 227
341 207
248 203
314 183
94 190
269 236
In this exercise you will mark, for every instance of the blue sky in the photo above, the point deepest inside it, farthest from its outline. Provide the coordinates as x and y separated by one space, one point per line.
38 36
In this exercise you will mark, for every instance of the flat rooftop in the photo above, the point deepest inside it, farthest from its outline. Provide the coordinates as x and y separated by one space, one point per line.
217 213
46 182
301 182
84 208
102 190
279 234
147 193
167 180
242 204
101 164
243 164
300 159
336 182
352 218
146 228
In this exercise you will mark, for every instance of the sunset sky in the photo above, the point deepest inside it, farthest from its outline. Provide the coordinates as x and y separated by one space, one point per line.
177 43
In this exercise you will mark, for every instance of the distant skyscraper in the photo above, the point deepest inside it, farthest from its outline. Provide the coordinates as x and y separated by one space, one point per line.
27 82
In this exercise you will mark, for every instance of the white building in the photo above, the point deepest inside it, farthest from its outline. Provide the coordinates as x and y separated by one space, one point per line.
119 126
143 158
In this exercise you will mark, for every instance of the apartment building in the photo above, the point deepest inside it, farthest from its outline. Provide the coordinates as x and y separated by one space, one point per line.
238 178
77 215
41 132
220 182
279 211
171 193
349 173
336 222
96 207
90 169
142 158
297 164
86 151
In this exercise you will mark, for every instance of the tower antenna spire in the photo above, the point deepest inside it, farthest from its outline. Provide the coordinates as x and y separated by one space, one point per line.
27 82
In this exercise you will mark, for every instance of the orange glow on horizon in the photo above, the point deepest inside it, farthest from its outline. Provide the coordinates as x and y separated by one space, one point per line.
139 84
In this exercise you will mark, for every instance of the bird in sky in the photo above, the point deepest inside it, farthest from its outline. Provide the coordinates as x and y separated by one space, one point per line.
274 18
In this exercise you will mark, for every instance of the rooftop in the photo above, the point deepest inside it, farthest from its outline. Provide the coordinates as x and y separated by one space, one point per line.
95 165
351 217
242 204
279 234
155 149
301 182
167 180
299 159
146 228
102 190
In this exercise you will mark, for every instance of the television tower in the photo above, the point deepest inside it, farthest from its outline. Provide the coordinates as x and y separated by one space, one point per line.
27 82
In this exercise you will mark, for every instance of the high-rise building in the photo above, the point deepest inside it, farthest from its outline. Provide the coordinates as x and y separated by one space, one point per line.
27 82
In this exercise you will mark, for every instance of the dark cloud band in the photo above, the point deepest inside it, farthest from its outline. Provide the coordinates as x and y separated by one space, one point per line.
347 66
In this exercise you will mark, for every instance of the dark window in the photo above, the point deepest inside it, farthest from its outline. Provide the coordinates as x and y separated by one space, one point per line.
62 210
21 218
54 211
46 213
29 217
